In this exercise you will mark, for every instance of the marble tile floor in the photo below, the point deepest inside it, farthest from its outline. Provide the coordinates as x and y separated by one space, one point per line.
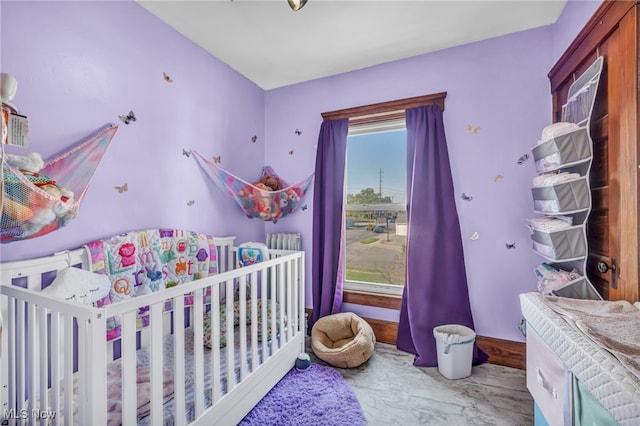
392 391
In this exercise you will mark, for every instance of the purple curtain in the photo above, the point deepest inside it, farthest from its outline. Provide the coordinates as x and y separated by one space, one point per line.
436 283
328 195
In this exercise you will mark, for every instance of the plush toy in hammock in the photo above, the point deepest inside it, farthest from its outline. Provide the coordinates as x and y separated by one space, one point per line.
268 199
38 198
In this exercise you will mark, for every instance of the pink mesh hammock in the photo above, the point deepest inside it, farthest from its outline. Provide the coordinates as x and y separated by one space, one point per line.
256 202
31 206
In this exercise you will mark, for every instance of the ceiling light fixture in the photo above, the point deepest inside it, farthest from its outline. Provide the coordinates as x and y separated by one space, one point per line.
296 4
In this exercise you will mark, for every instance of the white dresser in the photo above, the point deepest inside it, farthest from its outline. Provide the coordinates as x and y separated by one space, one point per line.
558 353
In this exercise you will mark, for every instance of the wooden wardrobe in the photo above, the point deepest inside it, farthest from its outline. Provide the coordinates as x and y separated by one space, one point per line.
612 227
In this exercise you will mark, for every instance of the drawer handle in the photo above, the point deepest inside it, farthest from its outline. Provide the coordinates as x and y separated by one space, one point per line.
546 385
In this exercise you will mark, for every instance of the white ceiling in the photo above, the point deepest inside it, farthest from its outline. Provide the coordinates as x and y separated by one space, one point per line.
274 46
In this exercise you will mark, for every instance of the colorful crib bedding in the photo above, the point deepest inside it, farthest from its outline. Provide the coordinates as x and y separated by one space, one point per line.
143 262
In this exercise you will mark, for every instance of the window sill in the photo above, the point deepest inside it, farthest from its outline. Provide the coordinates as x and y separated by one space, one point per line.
372 299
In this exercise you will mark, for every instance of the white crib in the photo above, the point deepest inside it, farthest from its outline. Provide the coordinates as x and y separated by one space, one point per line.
50 345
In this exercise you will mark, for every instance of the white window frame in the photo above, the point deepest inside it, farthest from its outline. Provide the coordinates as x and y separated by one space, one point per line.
362 286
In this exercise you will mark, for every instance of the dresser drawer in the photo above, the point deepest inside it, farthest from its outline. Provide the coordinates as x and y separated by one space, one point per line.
545 378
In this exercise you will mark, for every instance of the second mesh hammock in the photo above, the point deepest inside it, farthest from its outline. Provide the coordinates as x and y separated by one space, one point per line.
28 210
255 202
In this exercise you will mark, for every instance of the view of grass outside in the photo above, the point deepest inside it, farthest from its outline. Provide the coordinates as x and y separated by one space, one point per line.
376 247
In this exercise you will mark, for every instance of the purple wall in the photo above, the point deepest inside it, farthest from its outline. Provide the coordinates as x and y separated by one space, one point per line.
575 14
81 64
500 85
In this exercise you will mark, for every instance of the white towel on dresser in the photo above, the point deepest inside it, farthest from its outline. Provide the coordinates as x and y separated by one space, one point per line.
612 325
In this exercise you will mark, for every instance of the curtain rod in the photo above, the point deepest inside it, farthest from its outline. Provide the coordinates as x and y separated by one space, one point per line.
390 107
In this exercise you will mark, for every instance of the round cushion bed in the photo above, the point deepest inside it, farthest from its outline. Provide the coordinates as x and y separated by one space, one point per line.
343 340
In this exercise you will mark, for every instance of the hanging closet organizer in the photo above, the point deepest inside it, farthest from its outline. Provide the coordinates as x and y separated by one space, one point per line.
28 211
563 160
255 202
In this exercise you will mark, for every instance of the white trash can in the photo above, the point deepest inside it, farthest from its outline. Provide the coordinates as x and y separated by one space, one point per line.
454 344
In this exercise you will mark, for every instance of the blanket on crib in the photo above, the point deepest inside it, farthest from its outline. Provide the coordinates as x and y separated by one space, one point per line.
612 325
143 391
143 262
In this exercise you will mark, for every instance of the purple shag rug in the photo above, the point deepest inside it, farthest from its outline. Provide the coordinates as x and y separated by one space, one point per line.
315 396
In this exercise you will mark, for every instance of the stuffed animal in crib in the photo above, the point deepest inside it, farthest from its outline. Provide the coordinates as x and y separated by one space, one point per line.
79 286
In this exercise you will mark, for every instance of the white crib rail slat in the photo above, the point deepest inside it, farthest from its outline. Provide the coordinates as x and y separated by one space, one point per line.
198 350
128 365
242 297
82 373
295 296
254 321
299 284
42 342
21 356
289 309
9 354
264 292
272 306
156 362
179 376
67 374
282 299
56 365
33 357
96 361
214 317
231 380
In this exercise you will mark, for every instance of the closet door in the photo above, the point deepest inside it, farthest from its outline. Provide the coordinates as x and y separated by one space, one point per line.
612 227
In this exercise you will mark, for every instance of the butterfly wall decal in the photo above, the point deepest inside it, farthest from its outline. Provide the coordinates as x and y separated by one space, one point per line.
254 138
122 188
186 153
126 119
217 159
298 132
473 129
291 152
304 207
497 178
510 245
466 197
523 159
167 78
191 202
474 236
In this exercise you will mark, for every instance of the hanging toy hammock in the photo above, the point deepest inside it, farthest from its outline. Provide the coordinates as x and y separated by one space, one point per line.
269 199
38 199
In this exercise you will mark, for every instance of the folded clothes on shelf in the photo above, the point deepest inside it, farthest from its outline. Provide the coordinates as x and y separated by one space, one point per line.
551 179
551 278
551 223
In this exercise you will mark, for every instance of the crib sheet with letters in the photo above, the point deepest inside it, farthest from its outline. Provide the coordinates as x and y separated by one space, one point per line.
142 262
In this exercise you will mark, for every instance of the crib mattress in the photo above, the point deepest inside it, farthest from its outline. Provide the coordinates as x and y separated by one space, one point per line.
617 389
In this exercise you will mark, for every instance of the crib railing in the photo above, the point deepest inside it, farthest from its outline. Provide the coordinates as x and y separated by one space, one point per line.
55 354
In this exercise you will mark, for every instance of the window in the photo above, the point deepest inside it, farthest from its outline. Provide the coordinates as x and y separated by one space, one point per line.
375 208
367 121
